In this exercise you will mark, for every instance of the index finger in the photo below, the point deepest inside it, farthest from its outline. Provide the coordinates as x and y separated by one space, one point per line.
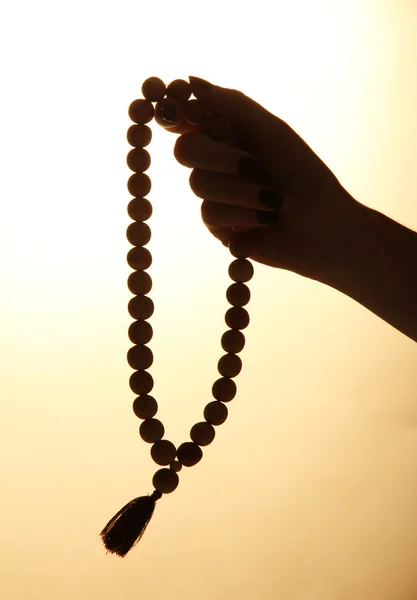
181 127
209 124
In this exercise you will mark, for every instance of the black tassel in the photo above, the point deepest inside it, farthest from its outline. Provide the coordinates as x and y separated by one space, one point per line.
127 527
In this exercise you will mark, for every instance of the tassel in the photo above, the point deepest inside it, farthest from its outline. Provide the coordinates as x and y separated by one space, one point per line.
127 527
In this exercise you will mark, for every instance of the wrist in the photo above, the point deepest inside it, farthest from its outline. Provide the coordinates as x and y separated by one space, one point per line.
343 246
374 261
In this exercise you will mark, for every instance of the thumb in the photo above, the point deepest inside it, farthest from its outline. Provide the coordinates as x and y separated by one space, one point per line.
249 120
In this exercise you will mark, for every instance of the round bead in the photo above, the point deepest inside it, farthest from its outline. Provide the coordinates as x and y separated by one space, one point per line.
138 160
151 430
145 406
241 270
139 258
140 332
165 481
215 127
224 389
175 466
140 307
139 283
194 113
139 209
139 184
202 433
229 365
138 233
141 111
233 341
189 454
140 357
163 452
179 89
237 317
141 382
178 113
241 244
215 413
238 294
139 136
153 89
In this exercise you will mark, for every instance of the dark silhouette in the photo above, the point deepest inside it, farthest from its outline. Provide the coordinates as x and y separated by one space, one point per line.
307 222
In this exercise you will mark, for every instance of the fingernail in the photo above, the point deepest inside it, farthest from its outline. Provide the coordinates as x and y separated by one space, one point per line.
248 167
201 84
169 112
270 199
267 218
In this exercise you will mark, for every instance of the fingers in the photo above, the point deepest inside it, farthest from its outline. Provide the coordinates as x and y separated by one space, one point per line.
235 217
224 189
234 197
199 151
231 197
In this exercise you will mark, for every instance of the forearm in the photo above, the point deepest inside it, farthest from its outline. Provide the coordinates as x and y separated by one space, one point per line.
376 265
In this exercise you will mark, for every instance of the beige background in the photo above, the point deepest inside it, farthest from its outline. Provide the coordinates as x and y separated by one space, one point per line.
309 490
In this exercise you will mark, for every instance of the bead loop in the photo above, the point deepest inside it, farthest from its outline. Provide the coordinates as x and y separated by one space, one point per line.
169 105
172 107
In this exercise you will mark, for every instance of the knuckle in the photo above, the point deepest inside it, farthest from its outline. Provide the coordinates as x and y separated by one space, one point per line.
238 94
232 92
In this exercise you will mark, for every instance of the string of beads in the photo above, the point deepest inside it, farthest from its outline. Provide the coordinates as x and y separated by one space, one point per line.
140 358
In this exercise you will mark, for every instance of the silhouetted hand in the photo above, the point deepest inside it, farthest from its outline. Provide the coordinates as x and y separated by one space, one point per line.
317 229
307 222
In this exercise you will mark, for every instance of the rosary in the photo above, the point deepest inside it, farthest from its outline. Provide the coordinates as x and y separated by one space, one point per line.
126 528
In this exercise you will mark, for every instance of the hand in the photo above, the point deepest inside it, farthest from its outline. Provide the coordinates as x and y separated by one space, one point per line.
313 219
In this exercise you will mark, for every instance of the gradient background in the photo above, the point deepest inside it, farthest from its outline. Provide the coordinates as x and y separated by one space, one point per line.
309 491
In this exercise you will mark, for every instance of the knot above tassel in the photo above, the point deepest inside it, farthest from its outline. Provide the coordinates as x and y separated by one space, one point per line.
127 527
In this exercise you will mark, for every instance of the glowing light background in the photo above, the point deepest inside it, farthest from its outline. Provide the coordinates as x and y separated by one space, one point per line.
309 490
